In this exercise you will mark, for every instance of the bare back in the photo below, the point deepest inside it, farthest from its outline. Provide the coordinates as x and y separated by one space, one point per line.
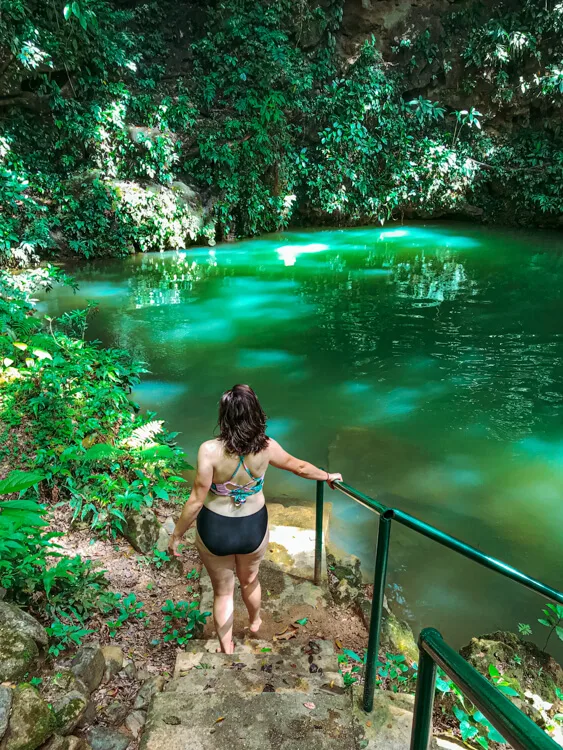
224 464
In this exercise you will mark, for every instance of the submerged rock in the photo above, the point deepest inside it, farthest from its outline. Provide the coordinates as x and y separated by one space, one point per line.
31 721
89 666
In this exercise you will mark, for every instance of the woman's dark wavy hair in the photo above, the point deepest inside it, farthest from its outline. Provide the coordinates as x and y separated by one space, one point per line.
242 422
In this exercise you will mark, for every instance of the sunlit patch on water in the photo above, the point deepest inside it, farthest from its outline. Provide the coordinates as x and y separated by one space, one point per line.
281 429
258 358
351 388
158 392
549 452
290 253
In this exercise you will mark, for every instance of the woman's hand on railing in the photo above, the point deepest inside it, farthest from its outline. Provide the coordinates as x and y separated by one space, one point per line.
332 478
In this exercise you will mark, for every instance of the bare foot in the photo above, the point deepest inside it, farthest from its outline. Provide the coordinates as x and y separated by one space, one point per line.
255 626
229 650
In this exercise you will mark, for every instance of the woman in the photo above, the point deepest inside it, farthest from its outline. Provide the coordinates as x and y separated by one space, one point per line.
228 501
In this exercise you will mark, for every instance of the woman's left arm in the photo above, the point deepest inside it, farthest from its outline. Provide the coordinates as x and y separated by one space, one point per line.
203 479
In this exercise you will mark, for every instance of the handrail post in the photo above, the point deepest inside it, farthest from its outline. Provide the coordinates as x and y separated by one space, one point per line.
319 532
424 701
380 576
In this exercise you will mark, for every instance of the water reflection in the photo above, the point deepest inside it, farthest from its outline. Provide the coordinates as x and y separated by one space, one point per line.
425 363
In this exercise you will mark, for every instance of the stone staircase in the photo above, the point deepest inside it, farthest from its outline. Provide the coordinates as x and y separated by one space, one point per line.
282 696
271 694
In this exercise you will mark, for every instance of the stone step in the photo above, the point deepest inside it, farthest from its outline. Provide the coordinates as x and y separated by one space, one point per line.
249 721
290 668
286 656
285 598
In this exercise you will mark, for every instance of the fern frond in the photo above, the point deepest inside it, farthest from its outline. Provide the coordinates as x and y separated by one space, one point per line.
145 434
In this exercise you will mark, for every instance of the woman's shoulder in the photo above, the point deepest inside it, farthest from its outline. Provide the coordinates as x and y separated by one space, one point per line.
212 447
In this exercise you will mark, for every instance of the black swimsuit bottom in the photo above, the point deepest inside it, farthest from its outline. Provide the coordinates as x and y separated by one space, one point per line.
228 535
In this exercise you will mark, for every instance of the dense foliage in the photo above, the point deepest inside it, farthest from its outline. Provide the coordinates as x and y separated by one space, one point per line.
103 136
69 435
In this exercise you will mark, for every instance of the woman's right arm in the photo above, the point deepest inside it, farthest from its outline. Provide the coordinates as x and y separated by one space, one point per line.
281 459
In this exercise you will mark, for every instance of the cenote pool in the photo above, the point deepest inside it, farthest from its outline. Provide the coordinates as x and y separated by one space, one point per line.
424 362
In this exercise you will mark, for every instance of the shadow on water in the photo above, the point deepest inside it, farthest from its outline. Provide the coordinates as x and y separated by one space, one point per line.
423 362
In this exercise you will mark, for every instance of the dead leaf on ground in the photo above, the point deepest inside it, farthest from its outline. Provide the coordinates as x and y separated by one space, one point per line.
286 634
338 643
310 706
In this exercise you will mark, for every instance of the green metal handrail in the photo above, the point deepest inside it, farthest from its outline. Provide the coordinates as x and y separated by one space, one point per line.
386 516
517 729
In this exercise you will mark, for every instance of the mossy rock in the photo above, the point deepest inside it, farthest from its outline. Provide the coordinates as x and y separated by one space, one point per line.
142 530
69 711
19 654
16 619
32 721
521 663
349 587
397 637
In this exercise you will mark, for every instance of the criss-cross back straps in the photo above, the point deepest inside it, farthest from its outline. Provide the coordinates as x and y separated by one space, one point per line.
240 463
243 464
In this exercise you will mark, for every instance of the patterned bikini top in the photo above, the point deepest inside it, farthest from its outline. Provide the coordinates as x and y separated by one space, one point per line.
239 492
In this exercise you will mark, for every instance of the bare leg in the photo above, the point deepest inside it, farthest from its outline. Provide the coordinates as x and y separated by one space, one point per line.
247 567
221 572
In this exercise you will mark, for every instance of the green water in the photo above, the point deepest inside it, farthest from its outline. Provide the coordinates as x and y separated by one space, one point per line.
423 362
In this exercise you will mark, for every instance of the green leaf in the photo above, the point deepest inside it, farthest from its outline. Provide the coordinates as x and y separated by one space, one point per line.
351 654
559 631
468 731
161 493
442 685
494 736
507 690
545 622
66 12
493 671
157 453
101 452
17 481
302 621
460 714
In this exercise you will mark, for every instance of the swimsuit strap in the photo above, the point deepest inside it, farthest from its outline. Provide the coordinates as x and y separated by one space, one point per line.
250 474
240 463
